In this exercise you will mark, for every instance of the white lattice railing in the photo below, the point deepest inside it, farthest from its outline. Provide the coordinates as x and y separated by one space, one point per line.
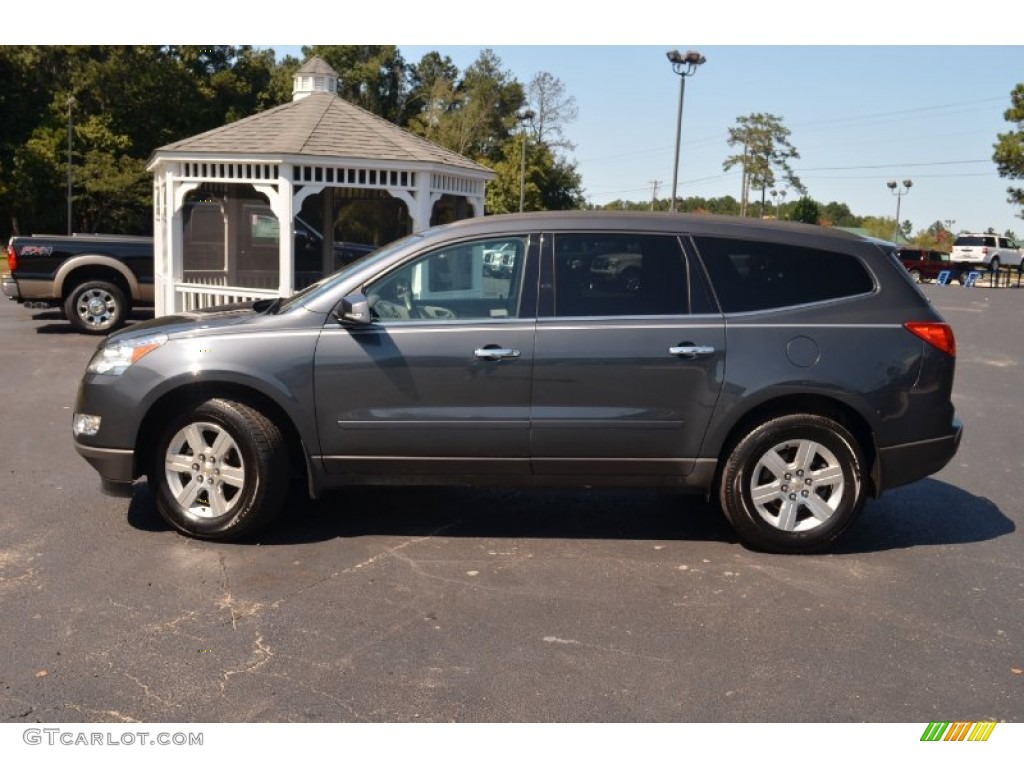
197 296
203 289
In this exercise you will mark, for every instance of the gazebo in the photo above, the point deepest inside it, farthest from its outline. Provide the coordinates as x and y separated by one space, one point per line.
253 209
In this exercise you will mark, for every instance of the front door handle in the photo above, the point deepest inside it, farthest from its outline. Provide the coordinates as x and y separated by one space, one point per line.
496 353
691 351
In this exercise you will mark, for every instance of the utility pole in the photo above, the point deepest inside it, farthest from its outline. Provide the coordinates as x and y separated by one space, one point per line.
743 184
654 193
70 104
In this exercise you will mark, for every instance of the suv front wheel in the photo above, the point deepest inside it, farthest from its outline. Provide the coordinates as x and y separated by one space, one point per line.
793 484
220 471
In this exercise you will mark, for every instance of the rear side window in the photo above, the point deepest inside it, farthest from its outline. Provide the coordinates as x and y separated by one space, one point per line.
611 274
750 275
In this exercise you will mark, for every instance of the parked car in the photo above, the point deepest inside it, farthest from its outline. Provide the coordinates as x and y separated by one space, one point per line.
988 250
498 260
925 264
94 279
787 371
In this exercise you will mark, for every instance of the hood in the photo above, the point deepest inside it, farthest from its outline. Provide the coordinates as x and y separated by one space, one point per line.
194 321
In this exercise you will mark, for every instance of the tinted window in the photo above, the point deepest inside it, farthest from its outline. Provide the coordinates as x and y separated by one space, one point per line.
975 240
604 274
456 282
752 275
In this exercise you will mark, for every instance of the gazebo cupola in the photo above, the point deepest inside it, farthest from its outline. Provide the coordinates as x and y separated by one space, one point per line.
315 76
262 206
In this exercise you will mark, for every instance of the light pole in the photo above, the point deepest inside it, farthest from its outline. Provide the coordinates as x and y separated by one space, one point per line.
70 103
684 65
524 117
895 188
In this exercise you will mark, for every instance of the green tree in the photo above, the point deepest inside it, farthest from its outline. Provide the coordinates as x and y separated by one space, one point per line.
805 210
1009 149
839 215
370 76
884 227
765 152
550 183
935 237
128 101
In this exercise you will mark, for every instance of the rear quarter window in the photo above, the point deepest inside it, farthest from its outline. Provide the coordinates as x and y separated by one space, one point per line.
748 276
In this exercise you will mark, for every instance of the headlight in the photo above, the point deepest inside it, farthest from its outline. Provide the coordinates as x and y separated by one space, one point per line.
114 359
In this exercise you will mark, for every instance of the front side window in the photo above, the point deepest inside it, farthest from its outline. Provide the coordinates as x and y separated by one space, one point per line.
607 274
749 275
470 280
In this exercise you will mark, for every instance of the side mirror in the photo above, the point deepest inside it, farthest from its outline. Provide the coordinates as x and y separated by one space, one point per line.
354 309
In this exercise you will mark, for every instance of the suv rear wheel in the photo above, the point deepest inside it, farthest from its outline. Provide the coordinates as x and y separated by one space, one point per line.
793 485
220 471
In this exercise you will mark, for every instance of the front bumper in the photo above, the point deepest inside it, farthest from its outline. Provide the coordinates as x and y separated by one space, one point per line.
115 466
907 463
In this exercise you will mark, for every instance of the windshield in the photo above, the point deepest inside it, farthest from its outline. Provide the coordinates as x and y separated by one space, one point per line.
327 282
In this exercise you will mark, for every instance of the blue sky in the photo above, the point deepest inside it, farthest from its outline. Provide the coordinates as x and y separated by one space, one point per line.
887 91
859 116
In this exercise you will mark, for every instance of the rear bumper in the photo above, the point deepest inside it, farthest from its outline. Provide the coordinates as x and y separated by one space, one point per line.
907 463
10 288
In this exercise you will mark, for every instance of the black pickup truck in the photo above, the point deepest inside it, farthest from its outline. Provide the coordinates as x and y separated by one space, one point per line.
95 279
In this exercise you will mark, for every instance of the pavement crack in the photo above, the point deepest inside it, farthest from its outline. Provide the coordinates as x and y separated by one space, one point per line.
604 648
145 689
260 657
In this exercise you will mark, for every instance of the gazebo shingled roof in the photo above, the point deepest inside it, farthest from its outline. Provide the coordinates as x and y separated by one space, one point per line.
320 124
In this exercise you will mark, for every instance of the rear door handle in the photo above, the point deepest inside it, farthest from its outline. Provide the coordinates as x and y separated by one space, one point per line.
496 353
691 351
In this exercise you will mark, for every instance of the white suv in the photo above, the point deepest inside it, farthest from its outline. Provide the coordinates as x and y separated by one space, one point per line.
989 249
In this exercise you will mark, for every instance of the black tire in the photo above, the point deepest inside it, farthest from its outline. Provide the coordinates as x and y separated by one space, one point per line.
220 471
793 485
915 275
994 264
96 307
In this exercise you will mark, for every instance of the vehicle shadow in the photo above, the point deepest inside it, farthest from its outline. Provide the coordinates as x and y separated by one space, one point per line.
477 513
56 323
927 513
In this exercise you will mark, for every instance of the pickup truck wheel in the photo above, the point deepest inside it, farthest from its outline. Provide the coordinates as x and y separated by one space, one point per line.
793 484
96 307
915 275
220 471
994 264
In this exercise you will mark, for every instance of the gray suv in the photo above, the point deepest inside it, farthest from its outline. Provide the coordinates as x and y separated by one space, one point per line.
787 371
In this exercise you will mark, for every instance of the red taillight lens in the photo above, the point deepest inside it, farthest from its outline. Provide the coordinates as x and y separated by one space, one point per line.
12 258
939 335
984 250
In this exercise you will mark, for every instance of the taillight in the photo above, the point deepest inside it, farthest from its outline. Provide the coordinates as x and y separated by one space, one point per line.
12 258
984 250
939 335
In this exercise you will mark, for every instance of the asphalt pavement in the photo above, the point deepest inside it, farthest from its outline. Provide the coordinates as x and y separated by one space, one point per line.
446 604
